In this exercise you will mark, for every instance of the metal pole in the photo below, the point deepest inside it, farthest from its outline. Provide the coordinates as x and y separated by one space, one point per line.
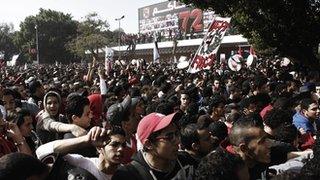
37 43
119 37
119 41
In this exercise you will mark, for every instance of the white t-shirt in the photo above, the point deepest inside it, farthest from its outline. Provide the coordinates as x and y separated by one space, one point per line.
89 164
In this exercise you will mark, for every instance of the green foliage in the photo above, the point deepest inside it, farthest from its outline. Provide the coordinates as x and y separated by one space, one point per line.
6 41
93 34
55 29
286 27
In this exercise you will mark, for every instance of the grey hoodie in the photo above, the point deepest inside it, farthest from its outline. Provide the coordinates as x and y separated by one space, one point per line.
44 120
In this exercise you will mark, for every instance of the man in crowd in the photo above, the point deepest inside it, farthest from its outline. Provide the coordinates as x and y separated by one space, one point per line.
250 141
50 123
78 113
197 142
24 122
110 145
37 92
11 139
159 158
10 102
127 115
305 119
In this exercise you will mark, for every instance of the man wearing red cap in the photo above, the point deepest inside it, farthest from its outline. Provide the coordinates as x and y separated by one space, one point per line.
159 159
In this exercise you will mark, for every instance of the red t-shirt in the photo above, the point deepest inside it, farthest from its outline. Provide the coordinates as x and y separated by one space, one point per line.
6 146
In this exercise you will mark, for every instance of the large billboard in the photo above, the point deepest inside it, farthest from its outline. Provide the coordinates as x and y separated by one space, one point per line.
173 18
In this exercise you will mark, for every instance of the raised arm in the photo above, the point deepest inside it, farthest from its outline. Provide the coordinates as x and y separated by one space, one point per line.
96 136
49 124
19 141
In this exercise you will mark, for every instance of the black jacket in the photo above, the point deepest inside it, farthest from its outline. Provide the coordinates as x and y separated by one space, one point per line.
138 169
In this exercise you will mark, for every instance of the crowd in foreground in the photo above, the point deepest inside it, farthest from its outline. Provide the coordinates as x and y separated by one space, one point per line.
154 121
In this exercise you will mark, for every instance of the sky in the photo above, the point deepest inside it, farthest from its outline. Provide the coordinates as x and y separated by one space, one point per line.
15 11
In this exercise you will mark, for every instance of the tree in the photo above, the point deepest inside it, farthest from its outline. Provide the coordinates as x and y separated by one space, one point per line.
93 34
6 41
55 29
289 28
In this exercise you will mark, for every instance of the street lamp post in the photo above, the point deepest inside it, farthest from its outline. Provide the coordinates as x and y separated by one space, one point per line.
119 19
37 43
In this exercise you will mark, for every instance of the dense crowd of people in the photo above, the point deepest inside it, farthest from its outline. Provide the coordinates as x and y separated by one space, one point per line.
160 36
155 121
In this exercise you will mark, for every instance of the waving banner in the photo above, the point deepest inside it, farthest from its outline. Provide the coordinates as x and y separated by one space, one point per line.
109 60
207 51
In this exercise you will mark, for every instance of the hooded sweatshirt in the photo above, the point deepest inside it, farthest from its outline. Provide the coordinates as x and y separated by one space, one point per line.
45 133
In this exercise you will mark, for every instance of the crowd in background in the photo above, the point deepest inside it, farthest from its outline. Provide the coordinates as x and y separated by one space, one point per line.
154 121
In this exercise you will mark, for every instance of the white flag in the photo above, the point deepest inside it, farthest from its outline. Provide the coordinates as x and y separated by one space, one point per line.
156 55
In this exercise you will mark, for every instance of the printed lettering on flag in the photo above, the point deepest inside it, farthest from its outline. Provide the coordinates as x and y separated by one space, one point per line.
207 51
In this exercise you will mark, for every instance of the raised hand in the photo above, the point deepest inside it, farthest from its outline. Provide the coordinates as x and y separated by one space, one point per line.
98 136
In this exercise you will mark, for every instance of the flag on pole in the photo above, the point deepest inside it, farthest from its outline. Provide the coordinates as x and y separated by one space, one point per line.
156 55
207 51
108 63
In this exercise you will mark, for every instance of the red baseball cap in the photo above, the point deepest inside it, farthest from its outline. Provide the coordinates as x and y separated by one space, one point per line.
151 123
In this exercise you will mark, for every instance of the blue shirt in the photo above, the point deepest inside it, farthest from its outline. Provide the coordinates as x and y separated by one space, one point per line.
300 121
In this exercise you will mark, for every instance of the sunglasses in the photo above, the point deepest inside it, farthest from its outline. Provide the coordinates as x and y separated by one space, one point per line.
170 136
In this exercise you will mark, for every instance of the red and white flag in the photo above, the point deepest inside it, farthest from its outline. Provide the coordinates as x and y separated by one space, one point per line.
207 51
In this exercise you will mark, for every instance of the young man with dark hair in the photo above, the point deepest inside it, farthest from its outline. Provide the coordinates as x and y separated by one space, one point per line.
249 105
127 115
8 100
109 143
79 113
217 108
159 157
24 122
260 85
11 139
251 143
197 142
289 134
218 131
11 103
22 166
274 118
305 121
51 124
184 100
220 165
37 92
